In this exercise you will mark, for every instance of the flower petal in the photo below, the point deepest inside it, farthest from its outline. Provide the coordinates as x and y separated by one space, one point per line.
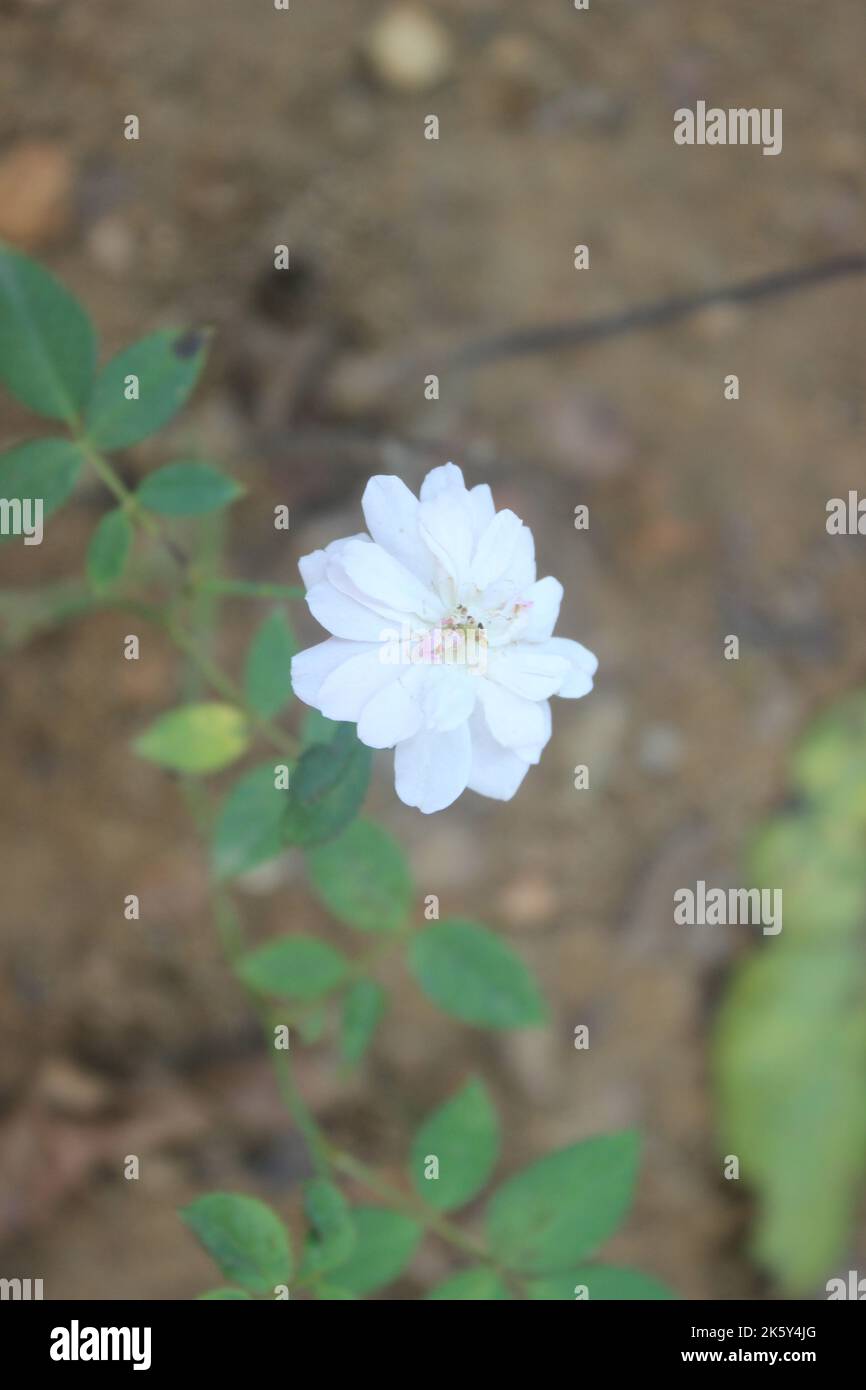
381 579
345 616
583 664
495 771
514 721
389 717
446 694
312 667
526 669
445 525
314 565
481 507
543 599
391 514
442 479
345 692
495 547
432 769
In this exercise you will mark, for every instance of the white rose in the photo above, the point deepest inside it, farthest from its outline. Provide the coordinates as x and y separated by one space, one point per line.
442 644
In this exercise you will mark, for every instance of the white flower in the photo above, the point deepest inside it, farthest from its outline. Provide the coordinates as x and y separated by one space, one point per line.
442 644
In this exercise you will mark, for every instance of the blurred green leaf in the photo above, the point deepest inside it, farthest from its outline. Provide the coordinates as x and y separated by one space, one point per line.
562 1207
363 1007
47 342
293 967
249 827
791 1076
790 1045
315 728
188 488
333 1235
601 1282
224 1294
109 549
472 975
167 365
463 1135
246 1239
385 1243
195 738
477 1284
363 878
267 675
327 789
46 468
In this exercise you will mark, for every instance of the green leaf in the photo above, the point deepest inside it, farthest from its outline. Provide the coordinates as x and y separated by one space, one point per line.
464 1136
294 967
311 1024
471 974
601 1282
246 1239
562 1207
315 728
167 365
41 468
479 1283
790 1047
267 676
195 738
333 1236
188 488
829 765
224 1294
385 1243
47 343
109 549
791 1077
363 878
328 789
363 1008
249 825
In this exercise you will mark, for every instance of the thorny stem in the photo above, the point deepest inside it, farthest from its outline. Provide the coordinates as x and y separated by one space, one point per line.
204 663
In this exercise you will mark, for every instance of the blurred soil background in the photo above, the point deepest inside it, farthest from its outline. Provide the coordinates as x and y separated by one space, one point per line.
707 518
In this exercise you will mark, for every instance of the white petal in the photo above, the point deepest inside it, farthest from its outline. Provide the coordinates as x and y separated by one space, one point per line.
442 479
532 752
481 507
521 571
391 514
492 558
432 769
526 670
544 598
583 664
445 525
495 771
345 616
312 667
391 716
314 565
513 721
384 581
446 694
345 692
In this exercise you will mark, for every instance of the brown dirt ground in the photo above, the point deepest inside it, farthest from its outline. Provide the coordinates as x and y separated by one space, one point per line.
707 518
